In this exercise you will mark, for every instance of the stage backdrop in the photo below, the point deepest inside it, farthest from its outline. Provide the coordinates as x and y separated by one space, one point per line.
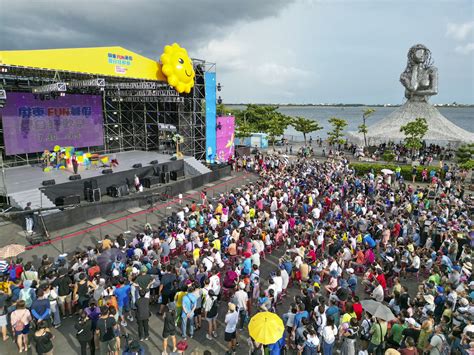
33 125
225 138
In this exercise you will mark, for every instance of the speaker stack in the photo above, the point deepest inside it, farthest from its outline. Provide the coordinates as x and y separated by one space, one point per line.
150 181
165 177
68 200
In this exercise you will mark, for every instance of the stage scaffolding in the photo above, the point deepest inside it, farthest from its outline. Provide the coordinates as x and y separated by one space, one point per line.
134 119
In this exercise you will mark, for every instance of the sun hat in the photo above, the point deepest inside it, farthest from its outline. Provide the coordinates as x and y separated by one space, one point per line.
241 285
231 306
429 299
350 270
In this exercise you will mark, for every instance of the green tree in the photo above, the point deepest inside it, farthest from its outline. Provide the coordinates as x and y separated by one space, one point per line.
336 134
465 152
305 126
276 123
363 127
414 132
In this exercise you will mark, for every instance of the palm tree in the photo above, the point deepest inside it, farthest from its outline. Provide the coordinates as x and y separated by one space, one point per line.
363 127
305 126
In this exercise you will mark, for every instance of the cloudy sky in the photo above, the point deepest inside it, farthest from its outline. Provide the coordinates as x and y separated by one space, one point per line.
278 51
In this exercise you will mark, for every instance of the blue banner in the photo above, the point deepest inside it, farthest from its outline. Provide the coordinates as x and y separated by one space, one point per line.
210 117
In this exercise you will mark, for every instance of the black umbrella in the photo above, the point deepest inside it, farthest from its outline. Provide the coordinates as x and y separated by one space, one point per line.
108 257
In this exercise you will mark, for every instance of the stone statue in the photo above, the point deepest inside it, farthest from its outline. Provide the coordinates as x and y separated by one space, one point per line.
420 80
420 77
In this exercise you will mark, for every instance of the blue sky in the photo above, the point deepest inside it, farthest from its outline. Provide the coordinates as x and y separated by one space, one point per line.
272 51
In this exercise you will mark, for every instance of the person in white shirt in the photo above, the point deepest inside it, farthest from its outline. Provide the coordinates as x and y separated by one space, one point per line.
231 320
208 261
285 277
415 264
377 293
180 215
240 300
278 281
215 283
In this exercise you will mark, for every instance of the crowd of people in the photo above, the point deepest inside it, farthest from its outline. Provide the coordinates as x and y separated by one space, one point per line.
340 239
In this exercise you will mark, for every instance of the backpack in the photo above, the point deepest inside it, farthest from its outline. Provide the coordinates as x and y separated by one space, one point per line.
444 349
19 325
25 295
213 311
363 333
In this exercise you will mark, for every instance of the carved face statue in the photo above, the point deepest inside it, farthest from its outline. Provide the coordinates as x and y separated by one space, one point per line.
419 55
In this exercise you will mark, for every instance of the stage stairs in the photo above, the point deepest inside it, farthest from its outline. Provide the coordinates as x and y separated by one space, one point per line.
37 198
194 167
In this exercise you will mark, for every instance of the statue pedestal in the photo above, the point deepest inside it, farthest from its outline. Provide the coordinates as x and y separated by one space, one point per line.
440 129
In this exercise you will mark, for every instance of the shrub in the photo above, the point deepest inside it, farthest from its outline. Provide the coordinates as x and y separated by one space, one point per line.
388 155
468 165
365 168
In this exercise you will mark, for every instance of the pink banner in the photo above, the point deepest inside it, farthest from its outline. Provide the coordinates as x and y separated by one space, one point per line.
225 128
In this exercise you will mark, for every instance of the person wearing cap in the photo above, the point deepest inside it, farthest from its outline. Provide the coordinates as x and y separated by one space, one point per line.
230 333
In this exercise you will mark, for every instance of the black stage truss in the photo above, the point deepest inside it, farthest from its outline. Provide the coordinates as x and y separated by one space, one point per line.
138 115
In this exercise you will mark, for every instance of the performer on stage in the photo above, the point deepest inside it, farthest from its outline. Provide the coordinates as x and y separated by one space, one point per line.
75 164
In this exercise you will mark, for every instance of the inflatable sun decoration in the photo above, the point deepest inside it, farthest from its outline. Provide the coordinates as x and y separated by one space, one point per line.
178 68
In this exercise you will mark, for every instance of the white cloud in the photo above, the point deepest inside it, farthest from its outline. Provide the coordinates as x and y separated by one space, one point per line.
272 73
465 49
227 53
460 31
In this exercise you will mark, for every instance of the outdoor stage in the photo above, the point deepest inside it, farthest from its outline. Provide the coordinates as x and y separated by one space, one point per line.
24 184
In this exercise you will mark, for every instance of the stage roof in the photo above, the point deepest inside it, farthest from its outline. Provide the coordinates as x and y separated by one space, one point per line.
101 61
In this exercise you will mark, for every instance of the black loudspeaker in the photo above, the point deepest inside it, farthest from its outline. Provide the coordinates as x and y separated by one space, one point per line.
75 177
107 171
92 195
165 178
91 184
156 171
164 168
68 200
136 166
150 181
118 190
154 162
175 175
113 191
49 182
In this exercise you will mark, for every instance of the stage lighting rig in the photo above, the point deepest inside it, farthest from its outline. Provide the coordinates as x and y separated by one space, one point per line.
47 89
88 83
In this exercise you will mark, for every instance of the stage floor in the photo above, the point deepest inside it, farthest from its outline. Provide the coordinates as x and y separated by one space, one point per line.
24 178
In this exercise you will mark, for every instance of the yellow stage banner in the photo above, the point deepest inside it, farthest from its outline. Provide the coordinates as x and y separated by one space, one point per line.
106 61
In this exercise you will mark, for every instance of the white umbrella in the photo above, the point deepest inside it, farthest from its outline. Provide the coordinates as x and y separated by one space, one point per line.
387 171
377 310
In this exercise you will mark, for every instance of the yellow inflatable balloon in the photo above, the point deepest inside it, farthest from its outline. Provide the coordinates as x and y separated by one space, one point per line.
57 148
104 159
80 159
178 68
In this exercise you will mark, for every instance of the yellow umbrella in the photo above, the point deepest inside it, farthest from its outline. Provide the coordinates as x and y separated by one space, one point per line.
266 328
